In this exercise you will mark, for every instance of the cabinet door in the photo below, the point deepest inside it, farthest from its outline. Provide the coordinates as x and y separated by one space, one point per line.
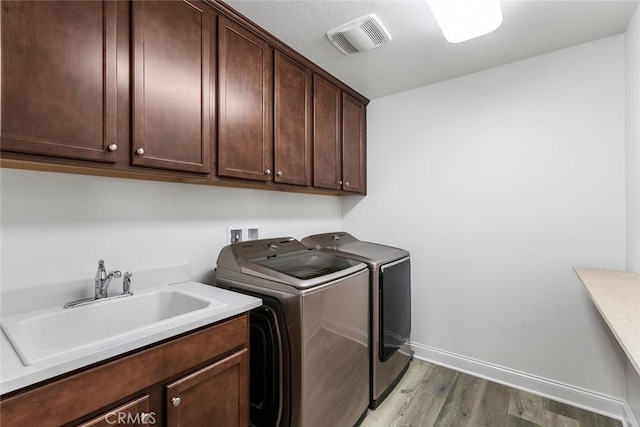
172 78
245 148
135 413
59 79
216 395
326 135
292 119
353 145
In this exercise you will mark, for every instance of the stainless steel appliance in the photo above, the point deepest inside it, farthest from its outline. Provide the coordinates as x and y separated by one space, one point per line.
390 305
309 362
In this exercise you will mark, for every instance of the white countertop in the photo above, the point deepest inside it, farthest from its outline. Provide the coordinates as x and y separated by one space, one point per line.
15 375
616 294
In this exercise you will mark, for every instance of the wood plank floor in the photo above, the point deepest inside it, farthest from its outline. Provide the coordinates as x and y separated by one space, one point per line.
431 395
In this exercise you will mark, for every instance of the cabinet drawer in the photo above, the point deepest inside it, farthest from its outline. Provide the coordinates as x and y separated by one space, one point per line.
134 413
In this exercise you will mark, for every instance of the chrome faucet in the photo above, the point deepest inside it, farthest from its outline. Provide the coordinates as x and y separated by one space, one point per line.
103 279
101 285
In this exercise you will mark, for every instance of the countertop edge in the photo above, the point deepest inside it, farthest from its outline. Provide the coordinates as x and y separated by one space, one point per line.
595 280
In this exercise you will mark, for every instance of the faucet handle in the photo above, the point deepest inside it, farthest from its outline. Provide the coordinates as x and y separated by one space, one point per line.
101 273
126 283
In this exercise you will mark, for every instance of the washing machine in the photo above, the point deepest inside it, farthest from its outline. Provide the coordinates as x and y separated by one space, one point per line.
309 359
390 306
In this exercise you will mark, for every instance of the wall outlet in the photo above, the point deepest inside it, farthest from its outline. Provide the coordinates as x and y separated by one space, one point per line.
253 233
241 233
234 234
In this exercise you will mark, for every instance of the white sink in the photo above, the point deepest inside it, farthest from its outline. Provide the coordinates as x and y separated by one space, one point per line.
45 334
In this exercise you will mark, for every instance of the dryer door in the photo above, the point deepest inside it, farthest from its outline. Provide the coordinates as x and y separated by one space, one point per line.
266 369
394 307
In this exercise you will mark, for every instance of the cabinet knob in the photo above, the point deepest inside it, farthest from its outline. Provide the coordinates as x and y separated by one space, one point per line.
140 151
340 182
346 183
279 173
176 401
267 172
112 147
145 418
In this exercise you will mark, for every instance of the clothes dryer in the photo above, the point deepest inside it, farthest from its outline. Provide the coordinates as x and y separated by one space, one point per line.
390 305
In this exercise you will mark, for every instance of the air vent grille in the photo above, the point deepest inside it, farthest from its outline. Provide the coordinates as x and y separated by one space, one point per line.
374 33
361 34
341 40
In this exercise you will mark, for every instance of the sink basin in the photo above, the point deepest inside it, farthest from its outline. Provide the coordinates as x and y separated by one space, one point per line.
45 334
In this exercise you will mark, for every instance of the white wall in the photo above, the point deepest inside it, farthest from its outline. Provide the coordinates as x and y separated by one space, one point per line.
632 40
499 183
632 43
55 227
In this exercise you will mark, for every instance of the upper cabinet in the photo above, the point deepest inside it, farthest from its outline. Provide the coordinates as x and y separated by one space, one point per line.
327 161
244 104
292 121
173 74
59 79
264 99
181 90
353 145
339 148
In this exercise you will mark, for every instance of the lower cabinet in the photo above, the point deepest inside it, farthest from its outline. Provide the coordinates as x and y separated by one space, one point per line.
213 396
198 379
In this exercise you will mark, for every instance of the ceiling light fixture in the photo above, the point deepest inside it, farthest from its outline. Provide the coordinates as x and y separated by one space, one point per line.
462 20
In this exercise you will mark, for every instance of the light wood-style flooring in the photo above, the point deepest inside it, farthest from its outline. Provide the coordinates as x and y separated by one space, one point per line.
431 395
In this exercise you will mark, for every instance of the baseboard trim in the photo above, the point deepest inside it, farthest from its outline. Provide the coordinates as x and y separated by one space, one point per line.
629 419
575 396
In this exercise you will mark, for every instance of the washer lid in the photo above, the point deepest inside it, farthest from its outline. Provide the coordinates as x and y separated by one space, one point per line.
287 261
306 264
345 245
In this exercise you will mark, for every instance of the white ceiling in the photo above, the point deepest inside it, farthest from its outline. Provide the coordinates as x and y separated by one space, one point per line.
418 54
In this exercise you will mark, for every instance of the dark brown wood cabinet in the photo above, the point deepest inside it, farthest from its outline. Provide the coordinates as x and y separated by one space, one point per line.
59 79
135 413
353 145
327 160
173 74
292 121
207 369
176 90
215 395
339 135
245 148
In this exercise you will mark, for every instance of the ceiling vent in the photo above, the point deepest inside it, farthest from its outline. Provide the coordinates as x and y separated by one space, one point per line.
361 34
